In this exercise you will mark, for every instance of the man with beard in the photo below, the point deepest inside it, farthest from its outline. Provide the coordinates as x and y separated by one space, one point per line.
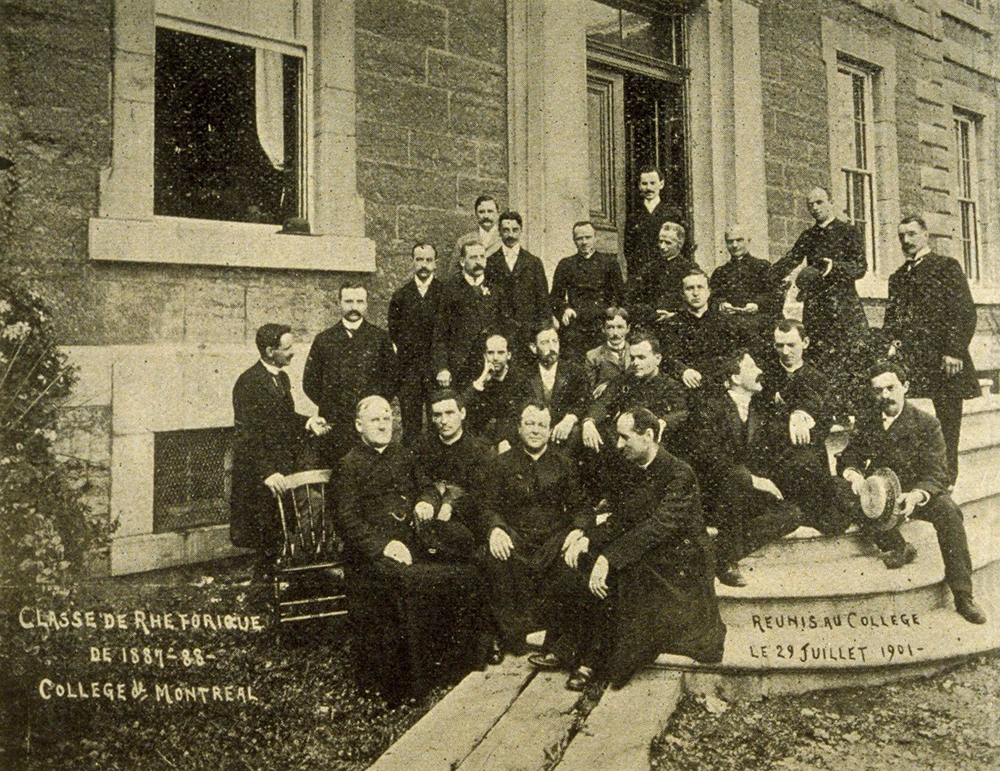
486 234
584 286
413 311
907 440
494 398
347 362
641 582
531 501
411 610
726 441
519 279
929 322
610 360
468 311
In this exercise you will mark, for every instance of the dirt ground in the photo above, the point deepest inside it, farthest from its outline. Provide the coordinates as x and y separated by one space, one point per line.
949 721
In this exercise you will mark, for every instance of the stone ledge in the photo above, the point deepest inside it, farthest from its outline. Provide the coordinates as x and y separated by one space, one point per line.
153 551
225 244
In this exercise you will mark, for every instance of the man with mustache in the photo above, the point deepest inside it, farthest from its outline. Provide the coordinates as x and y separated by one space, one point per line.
642 230
610 360
346 363
413 310
909 441
486 234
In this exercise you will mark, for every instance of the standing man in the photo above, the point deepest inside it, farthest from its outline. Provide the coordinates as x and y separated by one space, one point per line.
834 254
643 578
347 362
909 441
268 443
413 311
531 502
486 233
468 311
742 289
929 322
644 223
584 286
519 279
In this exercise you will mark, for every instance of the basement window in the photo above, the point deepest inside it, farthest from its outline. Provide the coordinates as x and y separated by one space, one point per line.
192 478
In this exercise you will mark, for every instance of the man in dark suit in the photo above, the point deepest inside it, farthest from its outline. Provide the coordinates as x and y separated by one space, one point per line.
654 294
413 311
347 362
641 582
909 441
268 442
558 384
494 398
584 286
531 501
409 606
612 359
468 312
726 442
698 337
642 231
929 322
518 277
486 233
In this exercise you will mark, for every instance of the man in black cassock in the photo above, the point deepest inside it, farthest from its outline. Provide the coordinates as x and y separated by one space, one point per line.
641 582
642 230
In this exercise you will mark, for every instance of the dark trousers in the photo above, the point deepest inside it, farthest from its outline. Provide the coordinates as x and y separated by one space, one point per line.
412 398
580 625
747 519
948 410
942 512
827 504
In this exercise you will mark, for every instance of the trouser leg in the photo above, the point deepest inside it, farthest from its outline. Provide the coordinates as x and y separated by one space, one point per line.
749 519
949 415
411 409
944 514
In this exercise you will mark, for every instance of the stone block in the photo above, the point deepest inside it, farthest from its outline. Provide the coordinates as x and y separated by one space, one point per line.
139 311
478 29
132 484
308 309
441 227
469 188
443 152
382 143
84 434
380 222
493 159
936 179
401 104
403 20
476 116
383 183
391 58
214 312
460 73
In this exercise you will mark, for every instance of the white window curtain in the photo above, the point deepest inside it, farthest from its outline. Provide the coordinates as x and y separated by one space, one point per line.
271 106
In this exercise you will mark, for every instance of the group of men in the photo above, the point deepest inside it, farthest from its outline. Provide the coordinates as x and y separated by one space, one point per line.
582 439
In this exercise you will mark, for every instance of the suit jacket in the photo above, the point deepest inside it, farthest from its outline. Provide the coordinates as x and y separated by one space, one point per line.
458 468
411 328
570 393
913 447
467 314
931 314
587 285
660 394
832 311
492 414
342 369
268 435
378 492
806 389
699 343
604 365
523 295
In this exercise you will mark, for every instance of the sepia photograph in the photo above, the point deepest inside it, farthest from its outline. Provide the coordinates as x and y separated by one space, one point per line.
500 385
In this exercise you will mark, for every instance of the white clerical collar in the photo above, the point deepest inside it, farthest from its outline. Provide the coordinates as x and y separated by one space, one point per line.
487 236
697 314
455 438
826 223
271 368
588 255
379 450
645 466
793 370
651 204
352 326
535 455
422 286
472 281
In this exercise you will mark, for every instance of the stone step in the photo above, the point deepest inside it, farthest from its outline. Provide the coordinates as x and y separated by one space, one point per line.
809 547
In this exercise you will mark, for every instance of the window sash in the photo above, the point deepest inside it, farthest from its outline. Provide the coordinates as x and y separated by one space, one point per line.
855 162
966 161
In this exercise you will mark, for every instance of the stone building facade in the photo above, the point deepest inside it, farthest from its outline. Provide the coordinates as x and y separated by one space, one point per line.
392 116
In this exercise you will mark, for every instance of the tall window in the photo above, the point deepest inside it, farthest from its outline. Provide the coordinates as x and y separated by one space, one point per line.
854 149
966 166
227 129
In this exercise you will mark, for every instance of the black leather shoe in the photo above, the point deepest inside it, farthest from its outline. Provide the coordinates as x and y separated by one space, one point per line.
495 654
732 576
546 661
968 609
896 558
579 679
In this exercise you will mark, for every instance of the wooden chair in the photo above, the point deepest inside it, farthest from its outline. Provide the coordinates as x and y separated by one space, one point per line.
309 574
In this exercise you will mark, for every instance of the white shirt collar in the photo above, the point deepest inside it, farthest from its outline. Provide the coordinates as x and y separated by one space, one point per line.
651 204
270 367
793 371
472 281
548 375
487 237
534 455
422 286
511 255
742 401
351 326
916 258
645 466
888 421
379 450
697 314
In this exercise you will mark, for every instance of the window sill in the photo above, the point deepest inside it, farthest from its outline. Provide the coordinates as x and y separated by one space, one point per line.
225 244
979 19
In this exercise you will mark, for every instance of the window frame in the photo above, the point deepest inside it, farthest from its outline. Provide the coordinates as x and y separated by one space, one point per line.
968 190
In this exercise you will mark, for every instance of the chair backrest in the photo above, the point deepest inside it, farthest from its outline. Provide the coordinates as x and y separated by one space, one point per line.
305 524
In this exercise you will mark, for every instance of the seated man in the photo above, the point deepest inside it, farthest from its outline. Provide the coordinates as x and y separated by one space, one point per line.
492 399
608 361
269 443
797 394
531 501
410 611
699 336
909 441
728 451
643 579
559 384
453 461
